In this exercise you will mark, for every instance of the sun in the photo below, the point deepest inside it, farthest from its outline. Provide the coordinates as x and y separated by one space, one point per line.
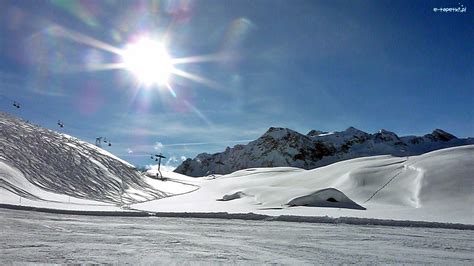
147 58
149 61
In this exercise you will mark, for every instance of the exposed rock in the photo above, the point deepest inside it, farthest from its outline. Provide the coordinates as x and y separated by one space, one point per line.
285 147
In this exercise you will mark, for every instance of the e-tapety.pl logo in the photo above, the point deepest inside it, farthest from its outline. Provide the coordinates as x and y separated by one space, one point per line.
459 9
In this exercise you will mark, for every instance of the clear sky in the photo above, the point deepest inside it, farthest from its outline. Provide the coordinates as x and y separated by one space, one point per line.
246 65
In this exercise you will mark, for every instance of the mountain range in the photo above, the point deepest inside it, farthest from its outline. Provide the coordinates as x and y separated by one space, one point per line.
279 147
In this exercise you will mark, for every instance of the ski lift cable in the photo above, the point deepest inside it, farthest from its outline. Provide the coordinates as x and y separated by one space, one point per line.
59 123
62 123
42 113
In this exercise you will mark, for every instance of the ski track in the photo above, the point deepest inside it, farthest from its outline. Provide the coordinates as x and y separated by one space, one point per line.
37 238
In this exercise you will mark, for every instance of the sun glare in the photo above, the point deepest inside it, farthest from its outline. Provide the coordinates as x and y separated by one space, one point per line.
149 61
146 58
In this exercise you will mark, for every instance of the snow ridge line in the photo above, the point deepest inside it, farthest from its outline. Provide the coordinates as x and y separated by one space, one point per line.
296 170
388 182
253 216
382 187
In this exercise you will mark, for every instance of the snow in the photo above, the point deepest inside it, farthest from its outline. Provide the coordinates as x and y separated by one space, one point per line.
326 134
435 187
39 238
94 148
28 194
41 168
285 147
328 197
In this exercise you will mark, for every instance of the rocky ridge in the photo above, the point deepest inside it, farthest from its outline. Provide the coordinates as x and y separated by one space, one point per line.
285 147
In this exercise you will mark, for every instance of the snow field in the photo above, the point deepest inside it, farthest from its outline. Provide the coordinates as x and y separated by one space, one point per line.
436 186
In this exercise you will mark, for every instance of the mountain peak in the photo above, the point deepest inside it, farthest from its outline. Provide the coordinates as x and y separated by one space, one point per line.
440 134
386 135
278 132
315 133
386 132
354 131
274 129
280 146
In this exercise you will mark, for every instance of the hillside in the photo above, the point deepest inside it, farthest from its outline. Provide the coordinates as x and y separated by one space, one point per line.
41 165
282 147
436 186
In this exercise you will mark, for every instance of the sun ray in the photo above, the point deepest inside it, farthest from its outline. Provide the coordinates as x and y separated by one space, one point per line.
201 58
170 89
102 67
91 67
206 143
196 78
140 63
59 31
198 113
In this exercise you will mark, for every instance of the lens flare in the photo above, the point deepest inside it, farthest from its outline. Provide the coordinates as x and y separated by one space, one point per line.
146 58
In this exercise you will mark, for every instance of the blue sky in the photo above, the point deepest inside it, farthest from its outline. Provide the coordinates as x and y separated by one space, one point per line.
305 65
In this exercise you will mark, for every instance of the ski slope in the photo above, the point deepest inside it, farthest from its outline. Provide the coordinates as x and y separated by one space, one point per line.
436 186
44 238
42 168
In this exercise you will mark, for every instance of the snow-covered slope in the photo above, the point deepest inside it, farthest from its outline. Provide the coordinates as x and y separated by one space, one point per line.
436 186
42 168
284 147
38 164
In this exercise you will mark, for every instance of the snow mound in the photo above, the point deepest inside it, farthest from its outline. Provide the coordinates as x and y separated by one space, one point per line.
329 198
233 196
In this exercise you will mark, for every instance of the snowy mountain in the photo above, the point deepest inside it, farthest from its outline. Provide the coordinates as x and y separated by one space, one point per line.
284 147
42 165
